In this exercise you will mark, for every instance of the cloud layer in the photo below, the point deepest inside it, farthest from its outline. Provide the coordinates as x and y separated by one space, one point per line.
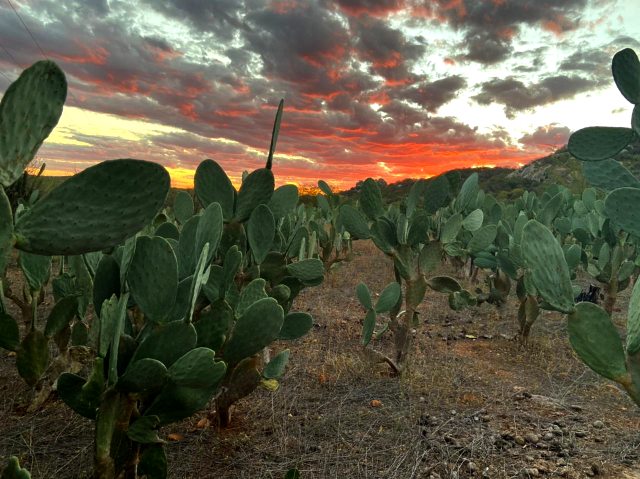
371 88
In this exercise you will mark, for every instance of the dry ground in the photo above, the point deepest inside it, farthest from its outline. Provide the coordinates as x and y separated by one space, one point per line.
474 404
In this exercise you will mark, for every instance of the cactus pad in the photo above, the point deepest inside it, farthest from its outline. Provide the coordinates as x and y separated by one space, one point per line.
295 325
61 315
633 321
213 185
183 207
276 366
261 230
254 330
193 380
29 111
9 332
596 143
14 471
388 298
80 395
33 357
354 222
549 271
145 376
608 175
307 270
626 73
371 199
284 200
209 230
256 189
597 342
364 295
6 229
95 209
153 277
618 207
167 343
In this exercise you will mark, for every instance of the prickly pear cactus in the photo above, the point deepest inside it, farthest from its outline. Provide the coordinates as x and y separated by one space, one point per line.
29 111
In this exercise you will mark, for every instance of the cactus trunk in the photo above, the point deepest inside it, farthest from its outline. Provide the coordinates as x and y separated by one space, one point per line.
611 295
111 432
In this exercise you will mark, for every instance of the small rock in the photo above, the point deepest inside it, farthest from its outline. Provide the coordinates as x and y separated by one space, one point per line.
580 434
597 424
472 467
530 472
532 438
485 418
548 436
422 399
520 440
576 408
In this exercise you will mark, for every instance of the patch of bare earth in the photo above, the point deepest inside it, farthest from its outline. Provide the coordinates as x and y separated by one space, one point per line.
474 404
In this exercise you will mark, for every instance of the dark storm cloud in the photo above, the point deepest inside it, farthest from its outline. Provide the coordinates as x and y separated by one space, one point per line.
302 46
219 17
486 47
370 7
490 26
549 137
594 61
517 96
432 95
387 49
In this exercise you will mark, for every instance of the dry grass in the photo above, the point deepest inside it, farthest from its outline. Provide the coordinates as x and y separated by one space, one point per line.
455 414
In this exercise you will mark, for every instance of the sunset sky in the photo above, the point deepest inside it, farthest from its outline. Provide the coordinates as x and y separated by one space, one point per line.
381 88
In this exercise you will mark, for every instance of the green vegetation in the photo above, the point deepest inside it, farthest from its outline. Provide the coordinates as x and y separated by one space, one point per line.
188 300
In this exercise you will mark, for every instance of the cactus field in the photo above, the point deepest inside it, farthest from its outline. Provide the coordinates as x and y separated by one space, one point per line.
236 331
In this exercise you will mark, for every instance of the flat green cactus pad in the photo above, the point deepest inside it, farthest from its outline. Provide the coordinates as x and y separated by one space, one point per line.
29 111
354 222
193 380
257 328
261 230
608 175
167 343
626 73
33 357
6 229
213 185
549 271
596 143
295 325
619 206
633 321
284 200
257 188
96 209
153 277
595 339
14 471
183 207
80 395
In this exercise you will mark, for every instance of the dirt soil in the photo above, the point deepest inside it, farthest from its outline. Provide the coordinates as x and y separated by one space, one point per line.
474 404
